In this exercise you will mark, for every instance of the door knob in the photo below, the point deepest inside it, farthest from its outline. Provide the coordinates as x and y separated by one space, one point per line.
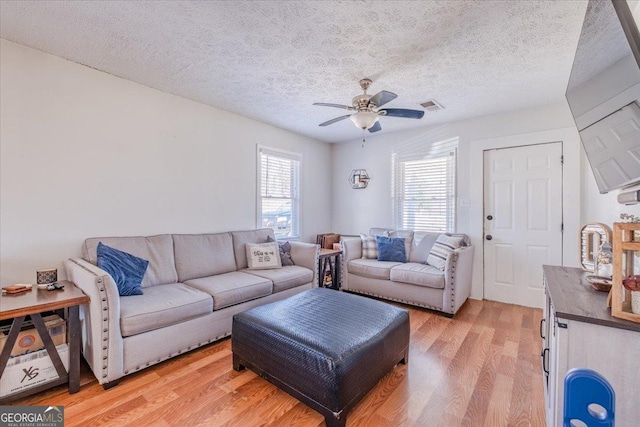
489 217
489 237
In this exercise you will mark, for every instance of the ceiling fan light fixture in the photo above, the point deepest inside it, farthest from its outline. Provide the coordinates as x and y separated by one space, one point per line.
364 119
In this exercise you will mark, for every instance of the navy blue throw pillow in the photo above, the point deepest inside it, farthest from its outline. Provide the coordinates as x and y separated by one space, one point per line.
391 249
127 270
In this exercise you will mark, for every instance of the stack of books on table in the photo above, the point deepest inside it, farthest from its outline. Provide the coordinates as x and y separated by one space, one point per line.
327 240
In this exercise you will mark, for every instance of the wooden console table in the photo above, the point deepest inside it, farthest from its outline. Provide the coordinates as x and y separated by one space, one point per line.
33 303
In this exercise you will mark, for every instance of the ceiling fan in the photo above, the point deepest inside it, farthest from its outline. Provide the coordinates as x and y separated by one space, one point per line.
367 109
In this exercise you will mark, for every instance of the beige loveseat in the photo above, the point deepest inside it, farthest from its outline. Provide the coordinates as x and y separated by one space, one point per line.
193 286
413 282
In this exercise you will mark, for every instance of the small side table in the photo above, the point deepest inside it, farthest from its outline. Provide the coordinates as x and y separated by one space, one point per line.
330 258
33 303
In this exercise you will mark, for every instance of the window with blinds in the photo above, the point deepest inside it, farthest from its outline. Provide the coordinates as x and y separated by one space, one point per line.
425 189
279 192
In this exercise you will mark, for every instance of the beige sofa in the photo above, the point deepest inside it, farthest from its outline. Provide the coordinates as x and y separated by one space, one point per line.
193 286
413 282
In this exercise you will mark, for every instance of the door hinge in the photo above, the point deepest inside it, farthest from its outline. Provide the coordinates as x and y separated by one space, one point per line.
562 227
562 160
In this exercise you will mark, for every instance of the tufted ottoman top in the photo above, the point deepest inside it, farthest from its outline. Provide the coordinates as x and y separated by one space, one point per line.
329 322
325 347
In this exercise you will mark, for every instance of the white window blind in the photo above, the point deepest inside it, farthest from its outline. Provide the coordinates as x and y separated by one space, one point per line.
279 192
425 188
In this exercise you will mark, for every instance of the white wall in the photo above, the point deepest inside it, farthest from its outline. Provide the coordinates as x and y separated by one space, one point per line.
598 207
355 211
84 153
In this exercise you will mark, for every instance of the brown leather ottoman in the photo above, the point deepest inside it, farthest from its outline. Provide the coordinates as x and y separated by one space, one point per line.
325 348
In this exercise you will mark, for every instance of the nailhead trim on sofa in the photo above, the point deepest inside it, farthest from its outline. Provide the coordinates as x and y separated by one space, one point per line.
105 319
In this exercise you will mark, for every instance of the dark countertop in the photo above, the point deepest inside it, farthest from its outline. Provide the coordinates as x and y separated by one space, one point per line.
573 298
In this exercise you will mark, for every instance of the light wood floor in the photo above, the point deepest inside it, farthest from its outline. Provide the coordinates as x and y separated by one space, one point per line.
480 368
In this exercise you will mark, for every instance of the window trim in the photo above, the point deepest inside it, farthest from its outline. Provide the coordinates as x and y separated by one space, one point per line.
296 201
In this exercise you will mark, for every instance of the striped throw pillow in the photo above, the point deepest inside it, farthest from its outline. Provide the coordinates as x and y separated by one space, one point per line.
444 245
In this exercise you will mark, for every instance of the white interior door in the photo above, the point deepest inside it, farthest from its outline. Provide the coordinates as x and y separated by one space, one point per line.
522 221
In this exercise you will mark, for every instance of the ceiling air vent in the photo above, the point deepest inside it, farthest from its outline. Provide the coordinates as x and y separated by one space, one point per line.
432 105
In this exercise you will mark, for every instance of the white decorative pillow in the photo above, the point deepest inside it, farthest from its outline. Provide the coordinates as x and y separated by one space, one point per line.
262 256
444 245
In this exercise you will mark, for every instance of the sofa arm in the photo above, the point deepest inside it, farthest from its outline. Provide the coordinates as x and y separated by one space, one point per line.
102 344
457 279
306 255
352 248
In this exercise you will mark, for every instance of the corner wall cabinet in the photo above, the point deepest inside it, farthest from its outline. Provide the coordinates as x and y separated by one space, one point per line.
579 332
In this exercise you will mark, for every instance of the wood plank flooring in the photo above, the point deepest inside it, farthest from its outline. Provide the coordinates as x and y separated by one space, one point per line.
481 368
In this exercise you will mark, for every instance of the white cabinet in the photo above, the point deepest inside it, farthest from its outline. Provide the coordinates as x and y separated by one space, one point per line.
579 332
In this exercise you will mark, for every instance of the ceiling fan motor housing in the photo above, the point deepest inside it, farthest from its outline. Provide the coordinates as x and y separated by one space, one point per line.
361 102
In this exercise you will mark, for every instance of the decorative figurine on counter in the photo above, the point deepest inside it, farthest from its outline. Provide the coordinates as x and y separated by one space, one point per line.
604 257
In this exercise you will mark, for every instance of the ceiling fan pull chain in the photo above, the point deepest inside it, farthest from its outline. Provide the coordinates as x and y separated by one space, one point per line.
363 135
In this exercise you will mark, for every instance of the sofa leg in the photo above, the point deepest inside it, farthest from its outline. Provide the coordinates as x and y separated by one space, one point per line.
111 384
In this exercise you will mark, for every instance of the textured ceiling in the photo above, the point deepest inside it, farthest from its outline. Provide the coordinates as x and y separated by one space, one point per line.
270 60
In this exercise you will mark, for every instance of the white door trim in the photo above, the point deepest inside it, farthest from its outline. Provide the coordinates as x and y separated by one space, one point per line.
570 194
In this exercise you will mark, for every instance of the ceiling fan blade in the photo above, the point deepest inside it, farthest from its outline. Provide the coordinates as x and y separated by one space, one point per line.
375 128
402 112
332 121
382 97
324 104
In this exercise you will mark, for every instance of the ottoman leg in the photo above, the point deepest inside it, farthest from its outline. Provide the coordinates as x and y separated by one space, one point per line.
405 358
335 422
237 363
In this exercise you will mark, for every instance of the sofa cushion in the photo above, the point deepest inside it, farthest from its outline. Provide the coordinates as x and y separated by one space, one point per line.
420 252
263 256
158 250
286 277
444 245
161 306
240 238
202 255
126 270
371 268
232 288
418 274
391 249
